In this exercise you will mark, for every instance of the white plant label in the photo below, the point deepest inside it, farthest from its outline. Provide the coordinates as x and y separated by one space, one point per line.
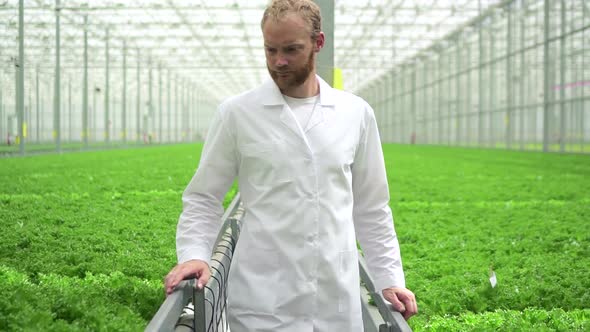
493 280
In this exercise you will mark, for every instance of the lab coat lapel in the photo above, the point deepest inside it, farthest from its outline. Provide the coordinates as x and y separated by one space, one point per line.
326 104
317 117
272 97
288 119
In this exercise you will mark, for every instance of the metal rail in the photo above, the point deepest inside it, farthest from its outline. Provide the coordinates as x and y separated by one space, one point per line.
178 314
388 319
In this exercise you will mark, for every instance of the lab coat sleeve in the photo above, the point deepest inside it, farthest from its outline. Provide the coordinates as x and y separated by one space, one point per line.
372 215
202 199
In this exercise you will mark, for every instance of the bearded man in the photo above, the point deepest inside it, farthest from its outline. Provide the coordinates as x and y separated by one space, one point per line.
312 179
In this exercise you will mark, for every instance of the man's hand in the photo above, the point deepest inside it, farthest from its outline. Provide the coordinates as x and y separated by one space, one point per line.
402 299
196 268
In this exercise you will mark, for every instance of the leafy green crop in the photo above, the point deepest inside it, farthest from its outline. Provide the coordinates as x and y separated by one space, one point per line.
461 212
87 237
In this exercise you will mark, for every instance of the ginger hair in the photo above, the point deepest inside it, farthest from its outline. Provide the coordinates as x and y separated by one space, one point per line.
307 9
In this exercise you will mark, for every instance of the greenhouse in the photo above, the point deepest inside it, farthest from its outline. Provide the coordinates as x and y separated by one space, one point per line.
482 109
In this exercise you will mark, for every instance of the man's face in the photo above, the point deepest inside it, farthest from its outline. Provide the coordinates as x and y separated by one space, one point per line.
290 51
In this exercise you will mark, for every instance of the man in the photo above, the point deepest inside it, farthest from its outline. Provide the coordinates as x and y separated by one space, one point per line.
311 174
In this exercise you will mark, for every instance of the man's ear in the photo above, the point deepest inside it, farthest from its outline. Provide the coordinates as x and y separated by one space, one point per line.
319 42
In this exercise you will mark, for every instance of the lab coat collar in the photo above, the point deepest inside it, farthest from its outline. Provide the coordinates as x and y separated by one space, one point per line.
272 95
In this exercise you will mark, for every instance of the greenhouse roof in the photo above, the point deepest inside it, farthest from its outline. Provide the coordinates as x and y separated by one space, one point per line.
218 45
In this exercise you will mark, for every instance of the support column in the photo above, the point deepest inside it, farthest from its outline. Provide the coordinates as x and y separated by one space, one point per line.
20 82
37 107
85 133
480 96
509 82
562 106
450 98
425 103
492 89
70 109
107 133
523 111
57 99
440 98
583 101
93 126
169 109
182 108
458 102
404 108
468 103
325 58
138 103
547 77
176 109
160 111
150 116
2 121
124 102
413 101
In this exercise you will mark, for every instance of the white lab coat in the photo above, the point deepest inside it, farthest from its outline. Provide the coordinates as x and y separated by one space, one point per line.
295 268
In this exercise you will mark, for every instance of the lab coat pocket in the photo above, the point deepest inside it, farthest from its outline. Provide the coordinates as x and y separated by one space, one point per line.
257 287
348 267
263 164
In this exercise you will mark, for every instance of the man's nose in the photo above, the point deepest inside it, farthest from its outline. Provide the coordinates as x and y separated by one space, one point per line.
281 61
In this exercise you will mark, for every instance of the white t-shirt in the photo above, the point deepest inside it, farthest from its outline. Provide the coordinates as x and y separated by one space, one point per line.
302 108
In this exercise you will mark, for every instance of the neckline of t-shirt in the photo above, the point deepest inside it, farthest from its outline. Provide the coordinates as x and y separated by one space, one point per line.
301 101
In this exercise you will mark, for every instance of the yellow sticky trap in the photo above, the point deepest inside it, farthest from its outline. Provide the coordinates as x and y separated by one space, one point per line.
25 130
54 134
338 82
